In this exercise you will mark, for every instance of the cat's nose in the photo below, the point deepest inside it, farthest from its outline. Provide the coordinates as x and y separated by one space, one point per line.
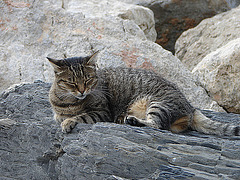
81 91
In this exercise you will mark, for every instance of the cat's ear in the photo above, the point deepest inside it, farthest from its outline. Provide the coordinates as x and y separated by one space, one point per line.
91 60
57 64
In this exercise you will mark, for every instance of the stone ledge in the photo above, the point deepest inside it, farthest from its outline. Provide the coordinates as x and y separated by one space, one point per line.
105 150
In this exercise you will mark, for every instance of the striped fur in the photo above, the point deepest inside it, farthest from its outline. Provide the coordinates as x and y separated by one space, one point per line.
83 94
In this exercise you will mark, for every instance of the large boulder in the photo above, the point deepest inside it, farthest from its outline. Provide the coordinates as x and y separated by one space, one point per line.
32 146
142 17
123 33
219 72
31 31
174 17
194 44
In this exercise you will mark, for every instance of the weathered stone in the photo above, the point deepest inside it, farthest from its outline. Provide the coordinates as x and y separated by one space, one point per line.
35 148
194 44
6 123
174 17
143 17
219 73
38 29
30 31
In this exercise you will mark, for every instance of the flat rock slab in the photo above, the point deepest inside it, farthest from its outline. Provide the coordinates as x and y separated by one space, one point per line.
32 146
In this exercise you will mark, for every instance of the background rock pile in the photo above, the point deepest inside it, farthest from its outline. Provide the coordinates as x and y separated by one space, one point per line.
204 62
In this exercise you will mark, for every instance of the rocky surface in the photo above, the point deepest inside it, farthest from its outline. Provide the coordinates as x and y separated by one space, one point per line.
142 17
32 146
194 44
219 72
174 17
32 30
211 51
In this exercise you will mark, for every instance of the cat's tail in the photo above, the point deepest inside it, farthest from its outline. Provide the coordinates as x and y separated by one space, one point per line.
205 125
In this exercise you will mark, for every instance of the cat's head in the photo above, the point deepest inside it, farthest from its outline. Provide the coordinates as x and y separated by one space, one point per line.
76 75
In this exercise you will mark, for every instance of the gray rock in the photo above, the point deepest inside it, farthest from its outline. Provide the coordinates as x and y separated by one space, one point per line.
219 73
212 33
6 123
35 148
174 17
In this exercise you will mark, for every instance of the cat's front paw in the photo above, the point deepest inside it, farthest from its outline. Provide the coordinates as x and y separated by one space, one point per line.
68 124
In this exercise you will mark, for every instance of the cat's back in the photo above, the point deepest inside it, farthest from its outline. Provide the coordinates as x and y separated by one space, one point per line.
128 84
131 79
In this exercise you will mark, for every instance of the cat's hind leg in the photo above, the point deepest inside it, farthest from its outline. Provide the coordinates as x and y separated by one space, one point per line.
138 114
154 114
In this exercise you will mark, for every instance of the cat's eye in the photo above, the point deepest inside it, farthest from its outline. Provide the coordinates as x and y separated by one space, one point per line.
70 83
66 84
90 78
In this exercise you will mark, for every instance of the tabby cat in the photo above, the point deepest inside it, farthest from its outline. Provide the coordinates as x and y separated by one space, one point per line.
81 93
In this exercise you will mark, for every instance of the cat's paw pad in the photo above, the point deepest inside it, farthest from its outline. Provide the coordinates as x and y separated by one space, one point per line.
133 121
68 124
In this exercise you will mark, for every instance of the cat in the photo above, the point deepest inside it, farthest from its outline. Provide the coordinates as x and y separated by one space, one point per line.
82 93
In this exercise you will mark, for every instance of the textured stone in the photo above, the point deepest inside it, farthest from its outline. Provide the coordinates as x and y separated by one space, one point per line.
35 148
194 44
174 17
32 30
143 17
219 73
37 29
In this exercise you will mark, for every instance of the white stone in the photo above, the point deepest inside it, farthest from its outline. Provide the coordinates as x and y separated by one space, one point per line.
219 72
194 44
